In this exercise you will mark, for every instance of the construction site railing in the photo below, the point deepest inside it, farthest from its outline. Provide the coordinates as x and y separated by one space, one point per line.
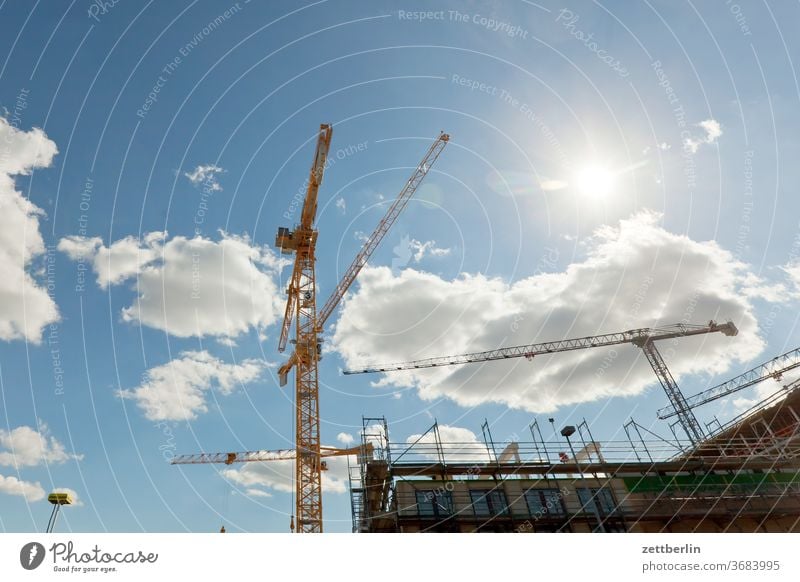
609 452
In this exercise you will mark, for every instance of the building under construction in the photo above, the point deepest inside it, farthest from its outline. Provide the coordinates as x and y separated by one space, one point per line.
742 477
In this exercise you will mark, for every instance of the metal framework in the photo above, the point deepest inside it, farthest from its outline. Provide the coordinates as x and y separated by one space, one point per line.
302 305
773 399
775 368
643 338
363 489
676 398
433 457
431 485
262 456
383 227
633 336
57 499
51 523
254 456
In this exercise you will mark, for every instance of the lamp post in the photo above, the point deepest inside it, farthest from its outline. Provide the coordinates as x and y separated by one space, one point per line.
567 432
57 500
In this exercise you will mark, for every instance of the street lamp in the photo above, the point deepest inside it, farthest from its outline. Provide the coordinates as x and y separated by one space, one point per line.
567 432
57 500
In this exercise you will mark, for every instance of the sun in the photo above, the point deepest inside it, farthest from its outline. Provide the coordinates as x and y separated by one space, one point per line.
595 180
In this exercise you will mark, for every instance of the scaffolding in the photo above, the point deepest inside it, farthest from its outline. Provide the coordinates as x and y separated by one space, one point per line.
738 480
773 400
368 485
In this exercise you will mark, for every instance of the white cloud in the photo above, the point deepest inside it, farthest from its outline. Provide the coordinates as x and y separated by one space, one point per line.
634 275
341 205
123 260
13 486
375 434
756 287
792 271
459 445
410 250
278 475
23 151
26 307
427 248
712 129
344 438
177 390
206 176
189 287
27 447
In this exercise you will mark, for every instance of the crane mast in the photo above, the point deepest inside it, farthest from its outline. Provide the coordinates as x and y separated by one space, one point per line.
687 418
643 338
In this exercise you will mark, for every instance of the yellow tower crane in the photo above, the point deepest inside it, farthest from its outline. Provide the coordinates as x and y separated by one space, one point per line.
301 305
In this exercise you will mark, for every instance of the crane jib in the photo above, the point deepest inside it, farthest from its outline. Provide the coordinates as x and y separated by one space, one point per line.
643 338
637 337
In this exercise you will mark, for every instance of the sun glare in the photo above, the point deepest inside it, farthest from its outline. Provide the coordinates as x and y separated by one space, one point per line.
595 180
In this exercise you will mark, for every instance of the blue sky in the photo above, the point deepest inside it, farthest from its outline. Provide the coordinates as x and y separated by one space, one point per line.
611 166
